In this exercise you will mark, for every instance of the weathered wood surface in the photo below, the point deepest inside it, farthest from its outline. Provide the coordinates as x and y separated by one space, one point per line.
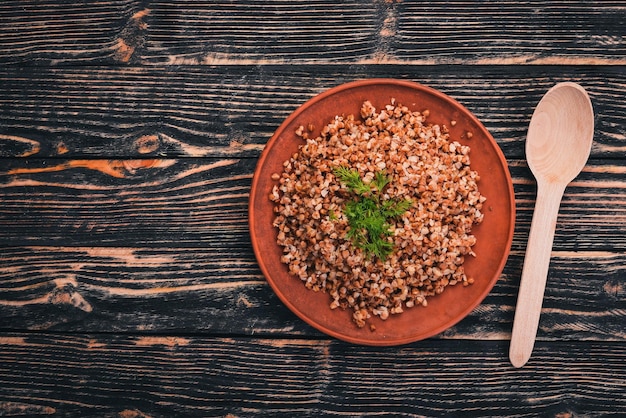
156 376
182 290
287 32
231 111
129 133
164 244
204 203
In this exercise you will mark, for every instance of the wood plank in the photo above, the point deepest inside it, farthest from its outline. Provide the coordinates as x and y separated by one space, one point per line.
222 292
591 210
140 245
205 32
200 203
320 32
169 375
231 111
50 32
204 203
508 33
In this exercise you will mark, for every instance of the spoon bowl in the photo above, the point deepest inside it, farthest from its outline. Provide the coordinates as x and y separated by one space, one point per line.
558 144
560 134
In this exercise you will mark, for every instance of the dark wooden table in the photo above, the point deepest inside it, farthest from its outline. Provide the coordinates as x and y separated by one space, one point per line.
129 133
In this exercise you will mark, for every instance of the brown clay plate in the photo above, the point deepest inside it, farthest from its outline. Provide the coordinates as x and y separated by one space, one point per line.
494 234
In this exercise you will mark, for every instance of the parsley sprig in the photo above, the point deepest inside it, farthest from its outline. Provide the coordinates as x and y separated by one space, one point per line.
368 213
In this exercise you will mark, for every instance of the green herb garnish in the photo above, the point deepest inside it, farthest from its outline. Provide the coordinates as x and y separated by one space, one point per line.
368 213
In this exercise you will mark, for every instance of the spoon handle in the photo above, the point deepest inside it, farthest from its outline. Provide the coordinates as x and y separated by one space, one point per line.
535 272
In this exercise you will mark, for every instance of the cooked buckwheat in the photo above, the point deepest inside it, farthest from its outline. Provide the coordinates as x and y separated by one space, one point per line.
430 240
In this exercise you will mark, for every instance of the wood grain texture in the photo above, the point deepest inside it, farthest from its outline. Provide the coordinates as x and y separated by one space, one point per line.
229 33
129 132
232 111
140 201
219 291
52 32
132 245
204 203
510 33
168 375
320 32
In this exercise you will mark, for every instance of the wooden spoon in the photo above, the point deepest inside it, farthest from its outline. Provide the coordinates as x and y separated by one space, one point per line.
557 148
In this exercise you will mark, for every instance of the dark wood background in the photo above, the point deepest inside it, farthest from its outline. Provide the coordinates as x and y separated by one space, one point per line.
129 133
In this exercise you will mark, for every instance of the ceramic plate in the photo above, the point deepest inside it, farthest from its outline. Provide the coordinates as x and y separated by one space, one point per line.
494 234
